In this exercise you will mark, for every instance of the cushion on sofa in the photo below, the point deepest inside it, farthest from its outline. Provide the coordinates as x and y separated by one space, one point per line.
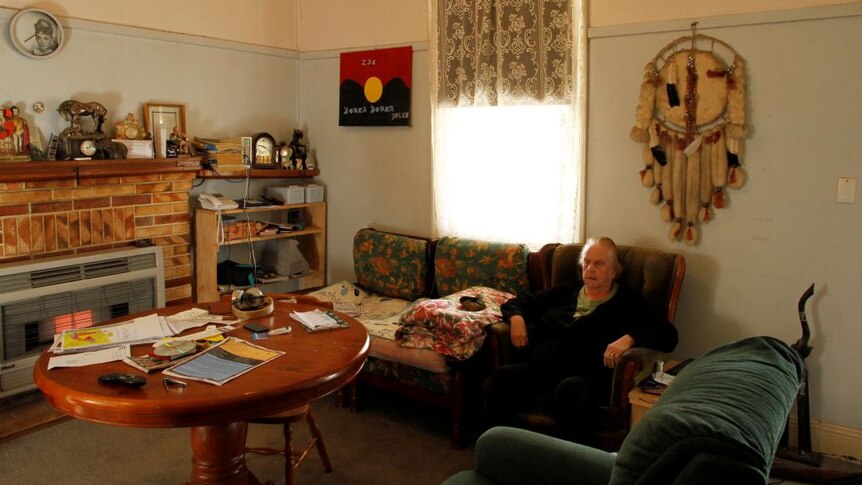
444 325
391 265
731 404
461 263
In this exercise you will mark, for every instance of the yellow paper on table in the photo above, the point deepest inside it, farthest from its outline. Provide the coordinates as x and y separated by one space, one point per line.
88 337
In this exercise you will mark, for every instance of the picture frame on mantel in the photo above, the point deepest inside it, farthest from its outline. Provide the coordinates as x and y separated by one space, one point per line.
161 119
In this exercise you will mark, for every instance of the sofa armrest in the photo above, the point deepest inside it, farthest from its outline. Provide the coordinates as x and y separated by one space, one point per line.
499 343
515 456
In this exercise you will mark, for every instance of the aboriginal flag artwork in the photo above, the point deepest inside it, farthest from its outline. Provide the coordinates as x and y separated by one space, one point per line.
375 87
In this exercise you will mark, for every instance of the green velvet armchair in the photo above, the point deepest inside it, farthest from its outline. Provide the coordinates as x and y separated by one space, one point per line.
719 422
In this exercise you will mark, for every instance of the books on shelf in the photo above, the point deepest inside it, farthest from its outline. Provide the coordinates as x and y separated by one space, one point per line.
246 229
225 152
220 145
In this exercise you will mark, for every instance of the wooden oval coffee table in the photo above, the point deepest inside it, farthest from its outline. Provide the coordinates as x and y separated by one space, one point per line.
313 366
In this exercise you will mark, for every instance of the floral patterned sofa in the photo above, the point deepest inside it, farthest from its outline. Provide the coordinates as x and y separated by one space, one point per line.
424 344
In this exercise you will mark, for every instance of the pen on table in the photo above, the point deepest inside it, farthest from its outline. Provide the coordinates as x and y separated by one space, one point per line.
168 380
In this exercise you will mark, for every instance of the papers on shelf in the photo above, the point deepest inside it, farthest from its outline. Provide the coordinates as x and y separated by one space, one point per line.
223 362
317 320
145 329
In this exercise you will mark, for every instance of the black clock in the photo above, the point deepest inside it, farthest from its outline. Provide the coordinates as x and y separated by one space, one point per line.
263 151
78 146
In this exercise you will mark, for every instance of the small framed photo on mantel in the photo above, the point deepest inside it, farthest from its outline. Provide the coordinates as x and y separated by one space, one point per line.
166 122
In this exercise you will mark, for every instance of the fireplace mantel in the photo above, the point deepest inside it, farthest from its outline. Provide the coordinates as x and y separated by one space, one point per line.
78 169
60 208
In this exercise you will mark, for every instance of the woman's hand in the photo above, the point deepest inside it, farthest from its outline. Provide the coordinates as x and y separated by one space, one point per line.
615 350
518 331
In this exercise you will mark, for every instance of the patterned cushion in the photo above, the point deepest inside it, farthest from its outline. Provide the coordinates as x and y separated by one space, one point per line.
391 265
462 263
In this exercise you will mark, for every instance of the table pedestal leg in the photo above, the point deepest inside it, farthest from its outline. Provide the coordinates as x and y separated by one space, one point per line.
218 455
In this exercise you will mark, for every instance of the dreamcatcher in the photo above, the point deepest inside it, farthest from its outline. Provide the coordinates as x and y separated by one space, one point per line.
691 120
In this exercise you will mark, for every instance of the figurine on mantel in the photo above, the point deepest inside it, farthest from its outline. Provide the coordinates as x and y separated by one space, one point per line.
79 143
72 111
299 151
14 137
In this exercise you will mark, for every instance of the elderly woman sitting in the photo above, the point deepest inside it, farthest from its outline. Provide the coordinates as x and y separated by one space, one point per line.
570 338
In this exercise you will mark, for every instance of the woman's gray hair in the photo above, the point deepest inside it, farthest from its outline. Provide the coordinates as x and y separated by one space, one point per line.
608 244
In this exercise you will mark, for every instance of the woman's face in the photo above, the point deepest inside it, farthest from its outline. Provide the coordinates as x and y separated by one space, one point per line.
43 40
599 272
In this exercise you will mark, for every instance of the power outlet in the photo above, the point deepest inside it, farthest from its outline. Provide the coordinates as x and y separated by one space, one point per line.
847 190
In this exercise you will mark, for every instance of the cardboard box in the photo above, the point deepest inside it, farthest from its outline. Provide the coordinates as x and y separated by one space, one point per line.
289 194
313 193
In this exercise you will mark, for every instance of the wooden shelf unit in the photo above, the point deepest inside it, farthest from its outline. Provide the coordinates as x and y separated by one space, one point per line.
79 169
312 245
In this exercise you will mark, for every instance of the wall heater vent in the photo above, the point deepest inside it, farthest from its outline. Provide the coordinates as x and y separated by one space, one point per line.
42 297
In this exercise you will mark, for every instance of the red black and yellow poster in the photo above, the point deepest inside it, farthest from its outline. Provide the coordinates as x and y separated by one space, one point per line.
375 87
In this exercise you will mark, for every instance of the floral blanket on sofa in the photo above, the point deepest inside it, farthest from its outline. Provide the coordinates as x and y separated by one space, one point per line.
438 324
445 326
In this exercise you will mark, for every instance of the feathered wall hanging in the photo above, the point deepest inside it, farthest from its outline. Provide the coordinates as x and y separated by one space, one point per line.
691 120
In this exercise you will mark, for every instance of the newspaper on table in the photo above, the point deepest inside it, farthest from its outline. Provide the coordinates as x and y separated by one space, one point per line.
80 359
223 362
317 320
149 328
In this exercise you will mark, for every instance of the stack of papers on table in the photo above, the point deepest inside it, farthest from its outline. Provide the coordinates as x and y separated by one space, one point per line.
317 320
196 317
145 329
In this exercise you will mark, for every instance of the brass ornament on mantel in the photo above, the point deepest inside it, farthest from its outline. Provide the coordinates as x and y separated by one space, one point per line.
129 129
691 121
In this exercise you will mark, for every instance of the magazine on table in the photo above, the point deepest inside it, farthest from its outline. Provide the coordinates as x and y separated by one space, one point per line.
149 363
223 362
317 320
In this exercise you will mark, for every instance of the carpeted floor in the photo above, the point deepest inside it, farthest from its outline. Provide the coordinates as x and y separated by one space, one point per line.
392 441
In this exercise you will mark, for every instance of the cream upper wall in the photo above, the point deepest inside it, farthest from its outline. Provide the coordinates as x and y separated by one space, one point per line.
620 12
344 24
315 25
260 22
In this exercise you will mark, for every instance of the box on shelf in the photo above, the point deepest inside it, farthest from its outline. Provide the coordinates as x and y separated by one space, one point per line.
138 148
290 194
313 193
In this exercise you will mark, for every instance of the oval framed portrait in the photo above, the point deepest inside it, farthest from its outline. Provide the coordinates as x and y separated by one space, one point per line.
36 33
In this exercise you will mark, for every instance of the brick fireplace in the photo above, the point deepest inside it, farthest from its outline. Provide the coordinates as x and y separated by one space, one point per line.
63 208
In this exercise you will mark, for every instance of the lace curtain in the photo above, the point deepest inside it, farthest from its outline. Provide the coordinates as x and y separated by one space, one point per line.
508 125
